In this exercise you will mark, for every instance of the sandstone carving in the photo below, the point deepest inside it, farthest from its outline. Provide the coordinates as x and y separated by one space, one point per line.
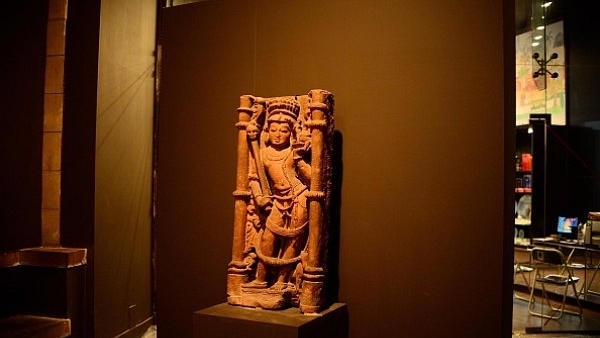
283 185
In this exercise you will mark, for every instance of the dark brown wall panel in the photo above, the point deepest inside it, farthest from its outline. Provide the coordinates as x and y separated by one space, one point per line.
421 120
23 41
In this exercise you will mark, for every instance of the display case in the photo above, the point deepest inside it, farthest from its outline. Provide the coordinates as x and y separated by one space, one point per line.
554 178
523 185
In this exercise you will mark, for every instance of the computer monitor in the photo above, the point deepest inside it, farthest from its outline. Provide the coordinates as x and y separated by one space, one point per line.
567 226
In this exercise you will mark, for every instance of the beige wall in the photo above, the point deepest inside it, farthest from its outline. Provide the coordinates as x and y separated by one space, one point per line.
124 130
423 102
107 153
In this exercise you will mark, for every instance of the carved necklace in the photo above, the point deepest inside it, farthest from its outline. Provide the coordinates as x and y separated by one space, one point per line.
273 155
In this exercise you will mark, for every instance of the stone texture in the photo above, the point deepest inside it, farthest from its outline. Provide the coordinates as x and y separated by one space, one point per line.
57 9
283 185
53 121
50 189
51 154
54 74
51 227
55 37
53 112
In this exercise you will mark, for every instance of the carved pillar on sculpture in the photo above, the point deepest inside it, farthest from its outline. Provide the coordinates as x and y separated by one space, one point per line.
313 277
238 272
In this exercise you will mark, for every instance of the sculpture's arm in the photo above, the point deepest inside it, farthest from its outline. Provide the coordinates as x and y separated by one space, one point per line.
255 188
304 169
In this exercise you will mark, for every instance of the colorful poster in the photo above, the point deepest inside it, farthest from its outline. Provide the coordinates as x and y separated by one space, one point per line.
542 94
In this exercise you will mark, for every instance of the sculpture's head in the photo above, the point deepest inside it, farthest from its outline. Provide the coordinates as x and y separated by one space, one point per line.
283 110
252 130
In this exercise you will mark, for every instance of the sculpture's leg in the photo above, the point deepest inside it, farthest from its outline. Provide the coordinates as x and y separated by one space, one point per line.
314 276
267 247
237 273
292 249
292 246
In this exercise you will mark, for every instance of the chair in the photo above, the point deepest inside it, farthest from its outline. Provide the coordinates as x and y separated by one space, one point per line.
522 270
551 268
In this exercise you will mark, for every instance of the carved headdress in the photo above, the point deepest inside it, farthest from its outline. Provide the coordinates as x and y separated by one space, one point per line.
283 110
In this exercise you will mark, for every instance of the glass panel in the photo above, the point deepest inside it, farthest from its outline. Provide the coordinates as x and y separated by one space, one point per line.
544 31
540 67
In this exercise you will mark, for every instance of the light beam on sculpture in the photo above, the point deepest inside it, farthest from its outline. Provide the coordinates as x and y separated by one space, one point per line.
282 198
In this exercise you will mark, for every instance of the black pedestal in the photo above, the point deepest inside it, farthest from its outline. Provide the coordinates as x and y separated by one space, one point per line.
228 321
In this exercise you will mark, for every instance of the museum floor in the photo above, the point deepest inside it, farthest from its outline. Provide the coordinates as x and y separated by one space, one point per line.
588 326
568 326
572 326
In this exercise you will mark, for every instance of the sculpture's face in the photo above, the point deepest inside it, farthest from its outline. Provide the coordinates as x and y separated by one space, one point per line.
279 134
252 131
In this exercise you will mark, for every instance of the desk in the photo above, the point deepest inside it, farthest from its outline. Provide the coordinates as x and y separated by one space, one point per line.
570 246
587 266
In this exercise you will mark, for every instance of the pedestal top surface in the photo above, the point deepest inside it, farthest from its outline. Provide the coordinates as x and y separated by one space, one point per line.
288 317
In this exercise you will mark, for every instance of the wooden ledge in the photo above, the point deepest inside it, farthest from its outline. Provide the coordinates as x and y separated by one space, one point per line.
35 327
57 257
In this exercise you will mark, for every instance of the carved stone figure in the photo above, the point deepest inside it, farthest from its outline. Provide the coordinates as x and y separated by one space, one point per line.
282 194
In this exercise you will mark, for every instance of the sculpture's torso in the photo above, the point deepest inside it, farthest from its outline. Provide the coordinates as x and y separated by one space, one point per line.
281 170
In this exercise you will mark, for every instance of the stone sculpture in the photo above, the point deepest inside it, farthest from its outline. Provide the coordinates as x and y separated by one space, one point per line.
282 194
